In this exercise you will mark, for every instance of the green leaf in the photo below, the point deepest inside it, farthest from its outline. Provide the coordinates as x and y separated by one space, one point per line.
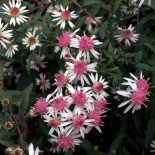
69 152
80 21
7 143
150 47
25 99
138 57
116 6
144 66
102 30
90 2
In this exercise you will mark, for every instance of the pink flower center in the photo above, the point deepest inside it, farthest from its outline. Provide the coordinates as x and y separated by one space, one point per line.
66 15
42 82
86 43
40 106
98 87
95 115
78 121
32 40
64 39
38 63
80 67
127 34
79 98
142 85
138 97
59 103
100 104
61 80
88 20
14 11
65 142
54 122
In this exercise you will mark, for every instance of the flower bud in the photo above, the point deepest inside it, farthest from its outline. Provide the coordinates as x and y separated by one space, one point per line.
5 102
8 125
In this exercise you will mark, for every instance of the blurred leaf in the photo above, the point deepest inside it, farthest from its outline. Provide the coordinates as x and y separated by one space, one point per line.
116 5
150 47
90 2
144 66
80 21
25 99
7 143
102 29
138 57
69 152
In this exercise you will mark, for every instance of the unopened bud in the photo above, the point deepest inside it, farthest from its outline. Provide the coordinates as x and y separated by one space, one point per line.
1 84
18 151
9 151
5 102
8 125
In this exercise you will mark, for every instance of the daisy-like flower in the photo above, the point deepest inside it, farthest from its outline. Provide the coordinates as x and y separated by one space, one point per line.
61 80
64 16
98 86
54 149
37 62
85 45
75 122
128 35
66 141
136 94
43 82
33 151
153 146
90 22
78 69
81 98
15 11
52 8
11 50
31 40
64 41
5 35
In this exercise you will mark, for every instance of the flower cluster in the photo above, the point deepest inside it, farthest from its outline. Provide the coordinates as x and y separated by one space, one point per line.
136 92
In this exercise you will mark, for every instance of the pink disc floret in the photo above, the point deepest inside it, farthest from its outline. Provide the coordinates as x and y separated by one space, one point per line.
54 122
98 87
41 106
86 43
61 80
142 84
138 97
64 39
66 15
65 142
79 98
80 67
100 104
14 11
95 115
59 103
78 121
127 34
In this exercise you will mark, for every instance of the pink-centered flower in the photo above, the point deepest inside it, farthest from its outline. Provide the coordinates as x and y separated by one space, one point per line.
78 69
15 12
128 35
43 82
86 46
63 16
41 106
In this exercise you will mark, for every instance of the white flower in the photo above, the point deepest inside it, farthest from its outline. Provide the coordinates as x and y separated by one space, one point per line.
5 35
98 86
153 146
11 50
52 8
78 69
43 82
136 93
31 40
128 35
7 68
85 45
15 12
37 62
32 151
64 16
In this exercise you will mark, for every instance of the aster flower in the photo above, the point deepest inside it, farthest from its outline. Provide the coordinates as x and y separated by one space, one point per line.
52 8
128 35
31 40
64 16
98 86
33 151
75 122
64 41
85 45
43 82
54 149
89 21
37 62
5 35
15 11
81 98
153 146
136 93
11 50
78 69
66 141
